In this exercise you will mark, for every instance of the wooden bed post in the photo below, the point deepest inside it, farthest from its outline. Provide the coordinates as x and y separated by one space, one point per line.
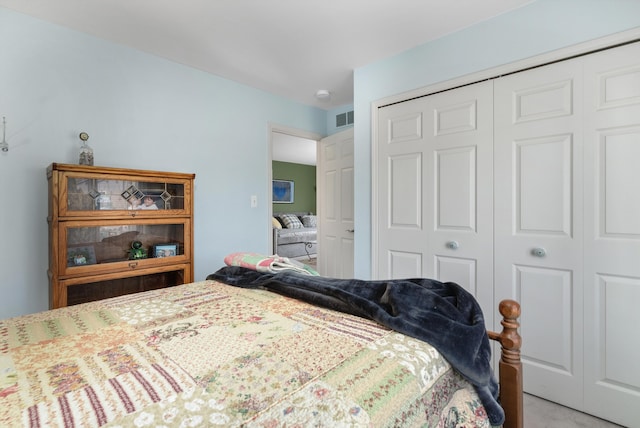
510 367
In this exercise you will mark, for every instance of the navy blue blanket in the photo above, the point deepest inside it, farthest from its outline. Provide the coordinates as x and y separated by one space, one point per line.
442 314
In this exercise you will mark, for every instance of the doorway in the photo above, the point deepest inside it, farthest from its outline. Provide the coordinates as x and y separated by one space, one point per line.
299 148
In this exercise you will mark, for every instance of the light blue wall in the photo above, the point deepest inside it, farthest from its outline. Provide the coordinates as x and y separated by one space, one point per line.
140 111
145 112
539 27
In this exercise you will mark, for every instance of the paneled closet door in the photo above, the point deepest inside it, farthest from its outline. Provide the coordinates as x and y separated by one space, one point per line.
435 208
402 233
538 222
612 234
459 196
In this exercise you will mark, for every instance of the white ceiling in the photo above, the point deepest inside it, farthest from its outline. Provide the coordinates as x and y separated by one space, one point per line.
289 48
287 148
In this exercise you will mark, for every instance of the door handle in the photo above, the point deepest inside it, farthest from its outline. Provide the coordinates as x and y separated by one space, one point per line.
351 230
539 252
453 245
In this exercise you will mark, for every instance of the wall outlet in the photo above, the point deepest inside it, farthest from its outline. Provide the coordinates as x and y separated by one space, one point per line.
254 201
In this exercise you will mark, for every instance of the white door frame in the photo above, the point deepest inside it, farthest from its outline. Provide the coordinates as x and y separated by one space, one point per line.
536 61
294 132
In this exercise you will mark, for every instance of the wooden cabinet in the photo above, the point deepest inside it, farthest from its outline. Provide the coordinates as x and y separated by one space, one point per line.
115 231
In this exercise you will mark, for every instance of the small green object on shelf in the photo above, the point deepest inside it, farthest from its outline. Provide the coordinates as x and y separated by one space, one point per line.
137 252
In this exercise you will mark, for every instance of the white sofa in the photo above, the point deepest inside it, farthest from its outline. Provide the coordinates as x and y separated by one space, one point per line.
295 239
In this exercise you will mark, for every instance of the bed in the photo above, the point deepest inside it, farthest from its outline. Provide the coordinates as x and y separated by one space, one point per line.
213 354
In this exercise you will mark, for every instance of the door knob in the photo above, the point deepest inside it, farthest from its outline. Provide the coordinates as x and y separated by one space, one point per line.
539 252
453 245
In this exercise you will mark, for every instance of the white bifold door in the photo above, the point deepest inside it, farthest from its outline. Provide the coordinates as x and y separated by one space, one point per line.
567 229
434 203
528 187
612 234
539 222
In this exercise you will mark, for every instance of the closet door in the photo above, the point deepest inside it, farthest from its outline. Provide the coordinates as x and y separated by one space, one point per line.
435 210
538 222
612 234
402 233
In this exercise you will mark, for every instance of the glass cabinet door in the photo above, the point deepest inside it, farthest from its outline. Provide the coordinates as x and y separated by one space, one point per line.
100 246
86 192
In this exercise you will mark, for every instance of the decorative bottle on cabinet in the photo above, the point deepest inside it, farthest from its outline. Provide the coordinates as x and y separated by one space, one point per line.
86 152
98 216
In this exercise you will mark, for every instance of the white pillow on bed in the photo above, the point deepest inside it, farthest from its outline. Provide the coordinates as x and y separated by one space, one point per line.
291 221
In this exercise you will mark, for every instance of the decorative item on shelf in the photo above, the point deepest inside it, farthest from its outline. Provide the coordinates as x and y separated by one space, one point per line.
137 252
81 255
134 196
165 250
4 146
86 152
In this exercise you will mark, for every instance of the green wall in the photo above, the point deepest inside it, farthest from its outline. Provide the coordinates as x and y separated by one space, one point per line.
304 178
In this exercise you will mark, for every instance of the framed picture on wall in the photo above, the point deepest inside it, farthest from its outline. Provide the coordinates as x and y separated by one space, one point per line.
282 192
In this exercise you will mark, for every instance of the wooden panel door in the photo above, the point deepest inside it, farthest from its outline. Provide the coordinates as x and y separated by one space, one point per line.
335 211
612 234
538 222
435 210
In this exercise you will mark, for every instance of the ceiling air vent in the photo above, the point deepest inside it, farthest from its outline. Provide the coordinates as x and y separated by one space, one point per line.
344 119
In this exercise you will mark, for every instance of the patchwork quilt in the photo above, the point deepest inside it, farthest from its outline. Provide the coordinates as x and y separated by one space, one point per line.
208 354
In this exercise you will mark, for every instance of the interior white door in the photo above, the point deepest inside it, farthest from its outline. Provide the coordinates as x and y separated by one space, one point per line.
335 205
539 222
434 185
612 234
